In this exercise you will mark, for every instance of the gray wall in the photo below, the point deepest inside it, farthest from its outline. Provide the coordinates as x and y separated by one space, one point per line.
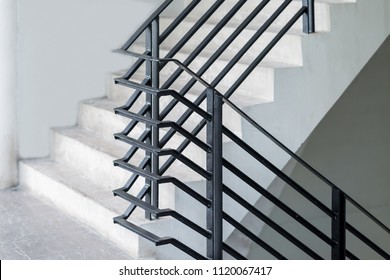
351 147
64 54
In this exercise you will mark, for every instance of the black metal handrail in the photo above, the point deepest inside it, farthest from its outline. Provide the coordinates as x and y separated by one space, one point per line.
264 161
149 141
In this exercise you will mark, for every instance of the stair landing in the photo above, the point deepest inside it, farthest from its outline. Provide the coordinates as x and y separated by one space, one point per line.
33 229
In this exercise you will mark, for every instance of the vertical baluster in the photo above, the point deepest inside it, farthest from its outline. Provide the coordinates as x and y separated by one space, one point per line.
155 108
308 17
339 224
214 186
148 74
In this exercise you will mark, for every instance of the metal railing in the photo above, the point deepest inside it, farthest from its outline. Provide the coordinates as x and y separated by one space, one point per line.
154 118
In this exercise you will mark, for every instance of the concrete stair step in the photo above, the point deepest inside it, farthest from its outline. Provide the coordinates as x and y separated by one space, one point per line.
322 13
120 94
250 91
94 158
95 206
261 18
288 51
26 235
97 116
91 204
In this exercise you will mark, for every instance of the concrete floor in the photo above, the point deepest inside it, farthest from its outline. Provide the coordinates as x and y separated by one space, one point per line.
32 229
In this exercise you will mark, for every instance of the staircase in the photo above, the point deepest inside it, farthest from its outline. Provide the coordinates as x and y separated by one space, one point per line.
79 176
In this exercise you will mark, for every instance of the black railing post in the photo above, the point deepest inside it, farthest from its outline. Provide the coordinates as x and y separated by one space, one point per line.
152 72
155 79
339 224
148 74
308 17
214 186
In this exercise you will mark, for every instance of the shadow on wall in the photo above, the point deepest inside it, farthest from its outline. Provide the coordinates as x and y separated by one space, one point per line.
351 147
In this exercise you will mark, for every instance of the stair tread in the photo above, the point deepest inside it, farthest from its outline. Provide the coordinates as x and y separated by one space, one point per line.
108 105
322 14
271 29
92 140
94 206
267 63
77 182
27 220
113 149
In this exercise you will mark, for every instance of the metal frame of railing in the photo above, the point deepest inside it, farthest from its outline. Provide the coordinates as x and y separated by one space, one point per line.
153 171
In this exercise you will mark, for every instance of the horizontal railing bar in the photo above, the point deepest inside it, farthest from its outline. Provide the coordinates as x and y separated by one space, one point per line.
178 20
288 151
368 214
186 249
163 212
143 111
135 66
180 64
165 92
224 72
200 99
144 136
141 172
135 116
145 162
133 206
200 47
158 241
162 124
245 49
261 56
185 221
298 159
270 223
162 180
146 24
193 30
277 202
164 152
136 229
252 236
182 146
147 89
135 96
228 249
367 241
213 58
350 256
277 172
206 202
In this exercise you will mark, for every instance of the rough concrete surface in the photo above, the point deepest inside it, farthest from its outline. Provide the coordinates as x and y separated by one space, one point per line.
31 229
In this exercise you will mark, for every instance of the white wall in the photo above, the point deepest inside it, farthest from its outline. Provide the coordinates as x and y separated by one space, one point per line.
7 93
64 54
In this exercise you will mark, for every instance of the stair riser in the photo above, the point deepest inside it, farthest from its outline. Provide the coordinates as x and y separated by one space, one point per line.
321 10
249 88
94 164
288 50
82 208
104 123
